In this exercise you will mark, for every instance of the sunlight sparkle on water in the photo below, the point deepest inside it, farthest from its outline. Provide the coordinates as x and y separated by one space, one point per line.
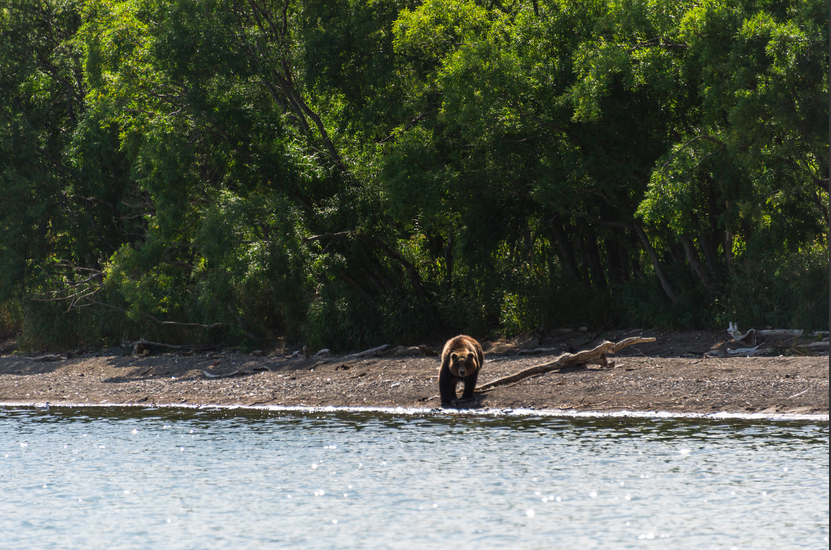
249 458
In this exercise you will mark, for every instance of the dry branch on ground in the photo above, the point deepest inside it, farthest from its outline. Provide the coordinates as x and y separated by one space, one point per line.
595 356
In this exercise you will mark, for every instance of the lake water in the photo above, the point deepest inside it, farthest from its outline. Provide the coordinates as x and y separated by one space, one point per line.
182 478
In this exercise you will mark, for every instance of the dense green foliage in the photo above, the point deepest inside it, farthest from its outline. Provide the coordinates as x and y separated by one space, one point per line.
360 172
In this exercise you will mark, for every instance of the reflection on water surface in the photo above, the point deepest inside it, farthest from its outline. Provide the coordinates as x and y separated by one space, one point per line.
173 478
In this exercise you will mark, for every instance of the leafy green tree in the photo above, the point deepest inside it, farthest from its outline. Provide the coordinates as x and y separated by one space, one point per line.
639 133
354 173
62 177
750 177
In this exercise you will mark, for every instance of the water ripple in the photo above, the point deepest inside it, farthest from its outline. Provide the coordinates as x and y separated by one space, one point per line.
200 478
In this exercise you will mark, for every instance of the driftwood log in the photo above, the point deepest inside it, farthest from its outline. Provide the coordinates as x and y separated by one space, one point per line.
368 353
255 370
45 358
596 356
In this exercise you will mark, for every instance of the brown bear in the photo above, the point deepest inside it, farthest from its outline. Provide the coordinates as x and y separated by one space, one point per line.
461 361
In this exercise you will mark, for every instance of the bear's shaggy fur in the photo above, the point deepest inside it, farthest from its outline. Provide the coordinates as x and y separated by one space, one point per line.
461 361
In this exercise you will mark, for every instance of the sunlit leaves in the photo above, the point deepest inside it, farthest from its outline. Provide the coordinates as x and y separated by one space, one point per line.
762 74
440 26
679 187
379 166
596 65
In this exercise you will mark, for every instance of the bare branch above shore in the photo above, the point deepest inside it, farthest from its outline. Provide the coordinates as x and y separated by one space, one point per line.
165 323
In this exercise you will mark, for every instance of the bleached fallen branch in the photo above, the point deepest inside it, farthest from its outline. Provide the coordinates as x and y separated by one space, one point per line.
536 350
211 376
823 345
143 342
368 352
45 358
240 372
596 356
747 351
737 335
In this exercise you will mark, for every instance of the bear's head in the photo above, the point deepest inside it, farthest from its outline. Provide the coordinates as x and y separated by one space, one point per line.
463 363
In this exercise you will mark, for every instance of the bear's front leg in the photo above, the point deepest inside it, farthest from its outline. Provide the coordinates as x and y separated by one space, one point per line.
470 385
447 386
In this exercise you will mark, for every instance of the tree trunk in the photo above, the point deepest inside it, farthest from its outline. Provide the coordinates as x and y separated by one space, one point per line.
566 253
712 265
615 261
241 322
695 264
658 269
448 259
592 254
728 250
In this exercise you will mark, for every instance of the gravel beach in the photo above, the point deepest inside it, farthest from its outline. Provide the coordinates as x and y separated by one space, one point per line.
681 372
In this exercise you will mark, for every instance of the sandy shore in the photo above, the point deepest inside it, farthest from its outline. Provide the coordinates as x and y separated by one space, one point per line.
642 379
